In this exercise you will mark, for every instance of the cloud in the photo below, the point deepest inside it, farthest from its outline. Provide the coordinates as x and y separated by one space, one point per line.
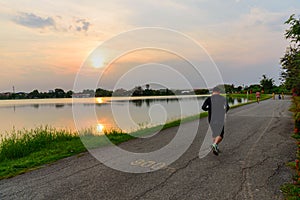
258 17
82 25
33 21
52 23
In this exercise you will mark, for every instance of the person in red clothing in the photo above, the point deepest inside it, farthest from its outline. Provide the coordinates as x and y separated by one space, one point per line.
257 94
217 106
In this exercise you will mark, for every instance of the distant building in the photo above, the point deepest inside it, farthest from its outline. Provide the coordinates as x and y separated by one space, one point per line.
80 95
7 94
120 92
186 91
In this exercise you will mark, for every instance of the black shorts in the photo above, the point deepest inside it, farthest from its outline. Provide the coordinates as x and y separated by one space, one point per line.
217 131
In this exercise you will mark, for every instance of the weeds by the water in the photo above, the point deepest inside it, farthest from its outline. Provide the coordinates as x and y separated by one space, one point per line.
27 149
25 142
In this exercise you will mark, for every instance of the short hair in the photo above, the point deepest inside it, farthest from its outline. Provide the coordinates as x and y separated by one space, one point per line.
216 89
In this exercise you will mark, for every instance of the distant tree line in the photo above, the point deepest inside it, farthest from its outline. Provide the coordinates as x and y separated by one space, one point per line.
35 94
100 92
265 85
139 91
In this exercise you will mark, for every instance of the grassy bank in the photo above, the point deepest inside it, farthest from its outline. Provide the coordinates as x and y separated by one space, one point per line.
251 97
292 190
29 149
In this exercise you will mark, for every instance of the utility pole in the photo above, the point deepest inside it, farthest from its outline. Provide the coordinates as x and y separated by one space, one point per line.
13 94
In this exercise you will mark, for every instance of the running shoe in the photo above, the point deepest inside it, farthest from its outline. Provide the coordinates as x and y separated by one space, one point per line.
215 149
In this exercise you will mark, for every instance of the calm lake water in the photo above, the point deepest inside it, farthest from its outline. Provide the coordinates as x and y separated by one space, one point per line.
126 113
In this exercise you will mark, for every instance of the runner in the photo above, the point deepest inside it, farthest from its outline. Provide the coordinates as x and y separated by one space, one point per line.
257 94
217 106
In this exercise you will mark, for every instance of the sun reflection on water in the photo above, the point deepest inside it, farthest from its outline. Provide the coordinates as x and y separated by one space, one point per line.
100 128
99 100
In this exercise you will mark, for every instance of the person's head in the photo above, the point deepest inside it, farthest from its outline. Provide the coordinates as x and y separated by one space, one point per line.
216 90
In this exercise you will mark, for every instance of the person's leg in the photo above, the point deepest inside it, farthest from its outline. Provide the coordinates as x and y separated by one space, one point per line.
218 139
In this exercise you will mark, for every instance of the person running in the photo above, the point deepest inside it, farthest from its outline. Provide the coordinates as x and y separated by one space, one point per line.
217 106
257 94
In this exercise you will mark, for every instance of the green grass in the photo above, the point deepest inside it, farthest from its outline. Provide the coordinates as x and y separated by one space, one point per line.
113 136
251 97
27 149
174 123
30 149
23 143
292 190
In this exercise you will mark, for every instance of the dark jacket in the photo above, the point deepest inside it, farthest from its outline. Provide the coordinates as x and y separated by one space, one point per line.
217 106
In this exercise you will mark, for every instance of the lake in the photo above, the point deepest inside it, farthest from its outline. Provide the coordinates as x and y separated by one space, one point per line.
126 113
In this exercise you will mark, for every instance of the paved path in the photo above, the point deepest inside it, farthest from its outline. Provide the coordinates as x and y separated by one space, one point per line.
256 147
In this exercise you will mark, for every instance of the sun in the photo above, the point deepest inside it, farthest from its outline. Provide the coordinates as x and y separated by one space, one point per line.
100 128
97 62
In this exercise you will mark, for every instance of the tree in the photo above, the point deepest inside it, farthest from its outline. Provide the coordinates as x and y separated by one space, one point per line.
239 88
228 88
293 33
138 91
291 60
59 93
34 94
69 94
201 91
147 86
267 84
253 88
148 91
103 93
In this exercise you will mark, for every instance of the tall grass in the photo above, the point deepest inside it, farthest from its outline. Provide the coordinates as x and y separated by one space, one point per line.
22 143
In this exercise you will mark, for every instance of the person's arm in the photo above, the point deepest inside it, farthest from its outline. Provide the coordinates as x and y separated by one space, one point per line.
227 106
206 104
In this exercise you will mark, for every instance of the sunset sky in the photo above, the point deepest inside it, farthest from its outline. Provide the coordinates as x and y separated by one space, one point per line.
43 44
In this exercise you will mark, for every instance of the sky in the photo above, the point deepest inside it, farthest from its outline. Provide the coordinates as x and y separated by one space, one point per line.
75 44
